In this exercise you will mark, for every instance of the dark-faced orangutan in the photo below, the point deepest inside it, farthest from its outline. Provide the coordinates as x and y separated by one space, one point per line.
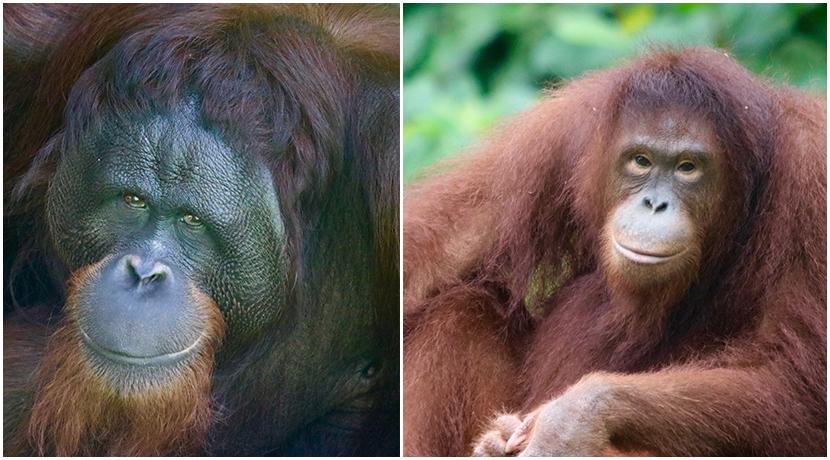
201 230
636 266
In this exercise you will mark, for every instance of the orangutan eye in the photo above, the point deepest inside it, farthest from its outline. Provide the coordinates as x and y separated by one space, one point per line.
642 161
686 167
134 201
191 220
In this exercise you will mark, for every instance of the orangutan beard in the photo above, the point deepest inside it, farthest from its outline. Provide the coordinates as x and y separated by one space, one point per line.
76 411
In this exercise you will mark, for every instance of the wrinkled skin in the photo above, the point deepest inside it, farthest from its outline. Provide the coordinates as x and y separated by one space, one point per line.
574 424
574 286
178 168
665 186
202 211
201 230
160 194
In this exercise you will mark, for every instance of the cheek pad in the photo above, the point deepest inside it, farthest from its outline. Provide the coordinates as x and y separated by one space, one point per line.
249 284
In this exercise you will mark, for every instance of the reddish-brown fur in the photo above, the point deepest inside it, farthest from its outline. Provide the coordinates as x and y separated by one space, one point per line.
309 89
76 413
508 303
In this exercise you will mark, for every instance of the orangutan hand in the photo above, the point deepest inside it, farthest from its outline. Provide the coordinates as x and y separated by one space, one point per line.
574 424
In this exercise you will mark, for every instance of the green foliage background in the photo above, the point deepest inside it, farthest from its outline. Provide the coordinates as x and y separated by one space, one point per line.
467 66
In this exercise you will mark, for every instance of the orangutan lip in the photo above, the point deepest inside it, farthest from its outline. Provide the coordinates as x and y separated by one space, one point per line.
121 358
641 257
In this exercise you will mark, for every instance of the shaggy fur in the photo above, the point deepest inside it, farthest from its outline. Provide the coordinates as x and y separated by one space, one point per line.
75 412
312 92
508 302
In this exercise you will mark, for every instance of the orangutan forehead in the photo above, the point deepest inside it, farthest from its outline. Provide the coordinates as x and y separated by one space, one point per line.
670 129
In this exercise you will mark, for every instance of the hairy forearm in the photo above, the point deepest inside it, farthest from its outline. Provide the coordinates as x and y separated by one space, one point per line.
688 411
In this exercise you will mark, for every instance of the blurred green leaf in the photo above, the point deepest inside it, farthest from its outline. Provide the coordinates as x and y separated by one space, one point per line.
634 19
581 28
468 66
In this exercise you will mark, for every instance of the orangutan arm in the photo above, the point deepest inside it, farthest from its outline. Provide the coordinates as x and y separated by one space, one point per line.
678 411
450 224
